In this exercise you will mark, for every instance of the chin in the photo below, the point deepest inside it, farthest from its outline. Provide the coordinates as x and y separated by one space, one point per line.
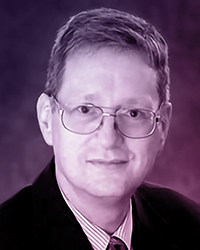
109 190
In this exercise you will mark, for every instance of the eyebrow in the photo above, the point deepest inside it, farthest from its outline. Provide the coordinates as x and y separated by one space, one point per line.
132 101
82 99
90 97
138 101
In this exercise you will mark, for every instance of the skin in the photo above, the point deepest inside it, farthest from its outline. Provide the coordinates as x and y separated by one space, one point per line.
99 172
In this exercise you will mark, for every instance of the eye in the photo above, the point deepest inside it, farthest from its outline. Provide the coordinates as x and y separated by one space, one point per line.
134 113
84 109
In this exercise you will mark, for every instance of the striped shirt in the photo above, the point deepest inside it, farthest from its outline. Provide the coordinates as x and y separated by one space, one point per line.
98 238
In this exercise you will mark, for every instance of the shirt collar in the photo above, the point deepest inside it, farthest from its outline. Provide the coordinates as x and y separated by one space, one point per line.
124 232
98 238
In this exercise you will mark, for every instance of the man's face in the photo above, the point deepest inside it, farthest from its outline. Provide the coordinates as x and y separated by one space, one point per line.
105 163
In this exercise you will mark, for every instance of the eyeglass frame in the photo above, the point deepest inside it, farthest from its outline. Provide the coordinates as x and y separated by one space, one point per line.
62 110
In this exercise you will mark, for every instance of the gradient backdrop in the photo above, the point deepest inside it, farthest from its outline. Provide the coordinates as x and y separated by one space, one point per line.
27 31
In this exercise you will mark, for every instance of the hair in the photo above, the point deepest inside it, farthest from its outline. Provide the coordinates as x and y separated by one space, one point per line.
103 28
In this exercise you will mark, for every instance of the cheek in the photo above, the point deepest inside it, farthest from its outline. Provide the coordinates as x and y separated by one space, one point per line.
69 150
145 152
64 141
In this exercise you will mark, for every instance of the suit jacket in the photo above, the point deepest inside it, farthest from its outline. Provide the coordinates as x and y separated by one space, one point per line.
38 218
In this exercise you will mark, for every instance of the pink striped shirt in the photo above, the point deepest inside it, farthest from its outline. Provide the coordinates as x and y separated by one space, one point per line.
98 238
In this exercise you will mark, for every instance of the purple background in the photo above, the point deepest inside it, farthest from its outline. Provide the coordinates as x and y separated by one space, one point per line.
27 31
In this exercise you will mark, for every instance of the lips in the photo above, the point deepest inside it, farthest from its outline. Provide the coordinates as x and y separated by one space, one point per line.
108 162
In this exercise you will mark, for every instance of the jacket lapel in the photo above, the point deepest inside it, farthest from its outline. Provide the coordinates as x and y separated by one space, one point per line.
150 230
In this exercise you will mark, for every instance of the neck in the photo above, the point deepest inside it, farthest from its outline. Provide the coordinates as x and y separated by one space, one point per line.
106 212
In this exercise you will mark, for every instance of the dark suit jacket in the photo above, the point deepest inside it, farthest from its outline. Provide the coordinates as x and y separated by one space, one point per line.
38 218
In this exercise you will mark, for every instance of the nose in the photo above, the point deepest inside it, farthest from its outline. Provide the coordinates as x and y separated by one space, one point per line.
108 135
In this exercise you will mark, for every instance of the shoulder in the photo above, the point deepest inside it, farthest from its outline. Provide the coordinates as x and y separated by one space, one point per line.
16 216
36 214
20 204
165 199
172 216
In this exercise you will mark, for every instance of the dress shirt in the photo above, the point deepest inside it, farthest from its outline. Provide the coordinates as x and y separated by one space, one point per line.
98 238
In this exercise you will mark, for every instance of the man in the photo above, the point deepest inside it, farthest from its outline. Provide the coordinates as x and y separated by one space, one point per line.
106 112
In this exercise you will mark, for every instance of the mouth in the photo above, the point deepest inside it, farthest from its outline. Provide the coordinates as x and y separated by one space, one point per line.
102 162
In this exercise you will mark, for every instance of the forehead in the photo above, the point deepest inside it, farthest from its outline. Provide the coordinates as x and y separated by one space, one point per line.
108 77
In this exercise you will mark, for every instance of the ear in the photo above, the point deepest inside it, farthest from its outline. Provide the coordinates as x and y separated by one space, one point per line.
44 115
164 123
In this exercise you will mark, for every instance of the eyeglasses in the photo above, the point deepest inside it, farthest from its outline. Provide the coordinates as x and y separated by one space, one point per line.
87 118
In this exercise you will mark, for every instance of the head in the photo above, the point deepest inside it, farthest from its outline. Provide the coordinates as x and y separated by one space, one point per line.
113 60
